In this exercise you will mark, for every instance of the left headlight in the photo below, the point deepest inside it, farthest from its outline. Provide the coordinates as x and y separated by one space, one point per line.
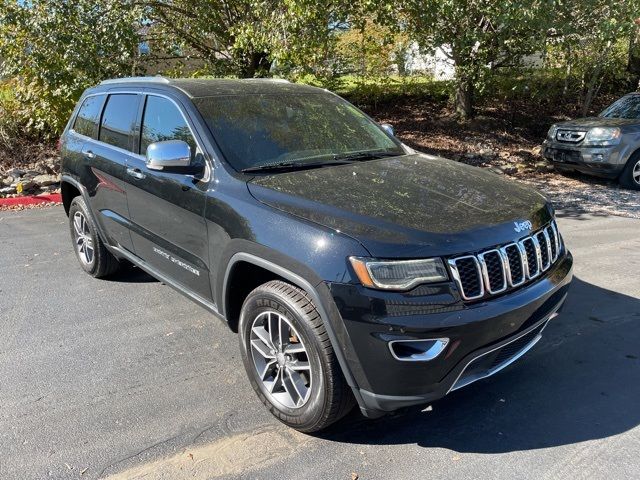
603 136
398 274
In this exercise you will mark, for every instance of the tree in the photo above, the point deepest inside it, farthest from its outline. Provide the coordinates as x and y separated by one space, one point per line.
592 35
242 37
481 35
54 49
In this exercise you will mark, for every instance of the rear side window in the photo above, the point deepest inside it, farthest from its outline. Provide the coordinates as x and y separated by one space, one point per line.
163 121
119 119
88 116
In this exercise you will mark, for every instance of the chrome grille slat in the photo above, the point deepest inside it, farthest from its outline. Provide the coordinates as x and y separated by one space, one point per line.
453 265
496 270
496 279
515 268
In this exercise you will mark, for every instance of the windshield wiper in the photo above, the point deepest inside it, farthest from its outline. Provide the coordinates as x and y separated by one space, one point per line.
281 166
365 156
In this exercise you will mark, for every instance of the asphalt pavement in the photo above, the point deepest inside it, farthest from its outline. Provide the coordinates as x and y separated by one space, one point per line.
126 378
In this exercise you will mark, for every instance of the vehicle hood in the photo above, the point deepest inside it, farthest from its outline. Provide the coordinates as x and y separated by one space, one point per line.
589 122
407 206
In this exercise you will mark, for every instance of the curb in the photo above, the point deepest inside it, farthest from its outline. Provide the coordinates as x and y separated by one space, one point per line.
30 200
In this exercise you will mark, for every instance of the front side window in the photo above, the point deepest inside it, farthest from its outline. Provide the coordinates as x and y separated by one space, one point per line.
88 116
258 130
163 121
626 107
119 119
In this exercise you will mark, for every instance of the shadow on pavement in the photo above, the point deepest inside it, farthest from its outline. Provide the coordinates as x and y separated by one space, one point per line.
580 382
131 274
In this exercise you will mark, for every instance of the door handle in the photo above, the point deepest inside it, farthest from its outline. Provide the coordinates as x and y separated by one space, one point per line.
136 173
89 154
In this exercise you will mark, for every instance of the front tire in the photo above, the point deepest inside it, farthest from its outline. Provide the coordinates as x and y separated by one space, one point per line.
289 359
630 177
93 256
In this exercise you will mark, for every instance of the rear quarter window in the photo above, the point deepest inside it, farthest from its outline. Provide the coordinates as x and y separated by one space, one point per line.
118 120
86 122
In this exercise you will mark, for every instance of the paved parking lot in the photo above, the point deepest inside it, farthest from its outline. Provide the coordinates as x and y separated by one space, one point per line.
127 379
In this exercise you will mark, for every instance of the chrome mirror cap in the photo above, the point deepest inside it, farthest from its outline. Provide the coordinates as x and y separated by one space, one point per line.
388 128
169 153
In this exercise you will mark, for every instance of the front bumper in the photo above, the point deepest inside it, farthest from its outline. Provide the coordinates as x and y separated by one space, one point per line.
484 337
600 161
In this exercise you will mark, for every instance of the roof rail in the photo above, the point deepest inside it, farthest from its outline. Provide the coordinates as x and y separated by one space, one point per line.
277 80
156 79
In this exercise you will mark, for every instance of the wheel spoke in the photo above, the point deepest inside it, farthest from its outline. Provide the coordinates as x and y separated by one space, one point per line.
263 349
77 224
294 348
264 336
298 384
271 386
279 333
299 366
268 367
290 387
272 330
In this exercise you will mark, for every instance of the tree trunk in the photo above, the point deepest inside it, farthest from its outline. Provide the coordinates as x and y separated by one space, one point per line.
254 64
464 97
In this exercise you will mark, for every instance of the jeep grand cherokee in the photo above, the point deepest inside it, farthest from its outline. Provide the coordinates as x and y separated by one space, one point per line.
354 269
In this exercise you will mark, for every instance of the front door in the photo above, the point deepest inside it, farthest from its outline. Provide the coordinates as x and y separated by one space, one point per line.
167 206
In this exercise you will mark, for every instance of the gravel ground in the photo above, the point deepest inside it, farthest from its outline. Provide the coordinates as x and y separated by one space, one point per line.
582 195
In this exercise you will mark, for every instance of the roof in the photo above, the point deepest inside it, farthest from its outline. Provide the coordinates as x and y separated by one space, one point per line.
199 87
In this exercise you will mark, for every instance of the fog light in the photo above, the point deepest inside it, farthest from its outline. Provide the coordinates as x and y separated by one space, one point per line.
417 350
597 157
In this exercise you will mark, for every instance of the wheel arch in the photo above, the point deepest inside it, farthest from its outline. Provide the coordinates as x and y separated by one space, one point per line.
319 294
69 191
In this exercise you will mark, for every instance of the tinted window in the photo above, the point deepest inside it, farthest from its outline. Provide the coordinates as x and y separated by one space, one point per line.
626 107
89 116
254 130
118 120
163 121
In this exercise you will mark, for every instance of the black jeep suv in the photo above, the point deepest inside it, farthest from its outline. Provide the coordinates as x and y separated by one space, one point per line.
353 268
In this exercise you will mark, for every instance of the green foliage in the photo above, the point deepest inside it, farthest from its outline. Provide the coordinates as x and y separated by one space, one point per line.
54 49
371 91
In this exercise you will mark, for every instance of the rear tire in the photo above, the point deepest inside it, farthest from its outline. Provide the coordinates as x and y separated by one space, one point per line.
93 256
294 373
630 177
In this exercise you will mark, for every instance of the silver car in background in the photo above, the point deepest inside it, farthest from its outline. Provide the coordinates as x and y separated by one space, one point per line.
606 146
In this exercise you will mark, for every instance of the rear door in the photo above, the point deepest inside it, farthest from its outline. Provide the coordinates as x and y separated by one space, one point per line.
167 206
101 118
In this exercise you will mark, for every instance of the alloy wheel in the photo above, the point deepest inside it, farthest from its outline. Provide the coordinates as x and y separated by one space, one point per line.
84 241
635 173
280 360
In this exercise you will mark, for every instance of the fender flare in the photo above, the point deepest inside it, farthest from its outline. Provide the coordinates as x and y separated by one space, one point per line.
85 195
312 291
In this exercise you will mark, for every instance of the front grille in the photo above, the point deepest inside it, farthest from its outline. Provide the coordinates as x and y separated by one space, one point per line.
570 136
496 270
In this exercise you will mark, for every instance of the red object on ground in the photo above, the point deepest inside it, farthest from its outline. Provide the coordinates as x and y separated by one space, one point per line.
30 200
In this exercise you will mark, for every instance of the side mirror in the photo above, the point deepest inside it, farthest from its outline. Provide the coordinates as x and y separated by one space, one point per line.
170 153
388 128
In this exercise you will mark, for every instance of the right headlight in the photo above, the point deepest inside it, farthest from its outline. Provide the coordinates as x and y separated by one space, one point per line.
551 134
398 274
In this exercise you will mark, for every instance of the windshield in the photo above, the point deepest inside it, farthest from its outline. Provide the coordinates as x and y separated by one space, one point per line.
626 107
258 130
